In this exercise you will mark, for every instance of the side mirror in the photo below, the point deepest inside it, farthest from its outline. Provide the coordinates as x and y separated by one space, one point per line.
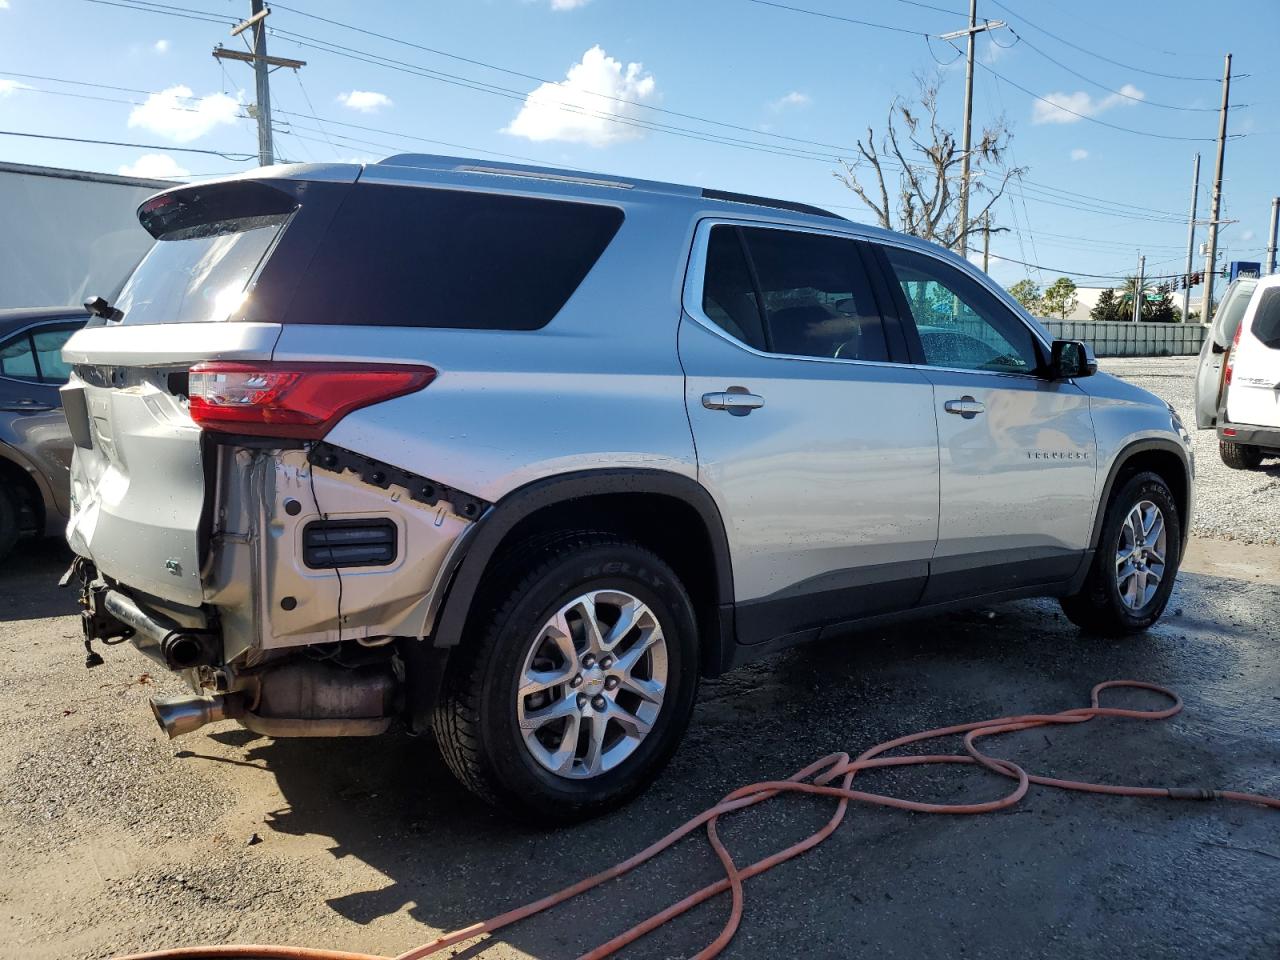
1217 347
1072 358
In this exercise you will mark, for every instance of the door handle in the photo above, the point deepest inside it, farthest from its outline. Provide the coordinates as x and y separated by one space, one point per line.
736 400
966 407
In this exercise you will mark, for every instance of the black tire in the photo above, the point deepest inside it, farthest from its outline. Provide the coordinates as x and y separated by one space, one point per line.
1239 456
475 718
8 521
1099 607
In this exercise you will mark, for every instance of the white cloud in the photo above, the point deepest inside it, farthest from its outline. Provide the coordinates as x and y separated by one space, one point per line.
568 4
1247 235
9 86
160 46
570 110
366 101
4 4
793 99
175 114
156 166
1079 153
1071 107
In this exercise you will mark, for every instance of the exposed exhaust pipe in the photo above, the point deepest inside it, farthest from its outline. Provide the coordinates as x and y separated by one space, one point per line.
178 716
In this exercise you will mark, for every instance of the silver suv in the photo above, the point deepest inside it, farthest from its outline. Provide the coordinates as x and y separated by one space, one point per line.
517 455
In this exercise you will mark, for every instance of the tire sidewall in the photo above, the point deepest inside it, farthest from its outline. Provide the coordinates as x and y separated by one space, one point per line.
1143 486
599 567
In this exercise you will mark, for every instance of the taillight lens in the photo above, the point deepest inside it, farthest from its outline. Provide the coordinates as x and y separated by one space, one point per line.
301 401
1231 356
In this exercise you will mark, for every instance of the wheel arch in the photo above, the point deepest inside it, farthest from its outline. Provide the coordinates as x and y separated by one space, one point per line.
1161 456
669 513
17 473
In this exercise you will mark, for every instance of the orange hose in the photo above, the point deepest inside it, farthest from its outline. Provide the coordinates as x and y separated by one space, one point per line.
817 778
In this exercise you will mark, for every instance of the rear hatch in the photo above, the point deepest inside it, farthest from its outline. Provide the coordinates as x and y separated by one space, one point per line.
1254 395
211 288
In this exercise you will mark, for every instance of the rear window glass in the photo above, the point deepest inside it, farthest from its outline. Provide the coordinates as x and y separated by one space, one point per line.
1266 322
408 256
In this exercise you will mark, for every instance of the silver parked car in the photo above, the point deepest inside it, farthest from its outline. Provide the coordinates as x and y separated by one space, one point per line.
519 454
35 448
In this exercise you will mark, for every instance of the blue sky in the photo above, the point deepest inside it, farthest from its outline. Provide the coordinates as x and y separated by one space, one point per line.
772 72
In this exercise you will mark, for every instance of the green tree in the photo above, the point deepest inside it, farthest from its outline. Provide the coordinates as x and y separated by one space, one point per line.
1060 299
1109 308
1027 293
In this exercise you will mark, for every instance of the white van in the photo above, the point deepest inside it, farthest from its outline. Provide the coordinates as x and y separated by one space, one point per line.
1249 427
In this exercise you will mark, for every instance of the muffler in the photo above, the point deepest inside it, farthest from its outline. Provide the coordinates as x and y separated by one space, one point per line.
178 716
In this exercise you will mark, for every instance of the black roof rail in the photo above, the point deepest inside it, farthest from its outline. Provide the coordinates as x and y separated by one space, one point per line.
709 194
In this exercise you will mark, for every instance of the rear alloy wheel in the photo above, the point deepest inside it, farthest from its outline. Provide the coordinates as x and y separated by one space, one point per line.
1131 578
1239 456
592 684
575 680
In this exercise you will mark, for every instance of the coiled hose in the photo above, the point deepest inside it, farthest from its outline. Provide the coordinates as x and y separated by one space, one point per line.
832 776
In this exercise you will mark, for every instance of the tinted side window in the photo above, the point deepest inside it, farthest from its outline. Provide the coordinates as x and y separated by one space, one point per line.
17 359
960 324
816 296
408 256
728 293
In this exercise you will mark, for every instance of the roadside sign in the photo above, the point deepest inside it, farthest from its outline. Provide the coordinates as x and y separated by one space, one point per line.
1244 268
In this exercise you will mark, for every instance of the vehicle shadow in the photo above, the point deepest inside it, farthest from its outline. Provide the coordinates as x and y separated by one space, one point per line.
450 861
29 582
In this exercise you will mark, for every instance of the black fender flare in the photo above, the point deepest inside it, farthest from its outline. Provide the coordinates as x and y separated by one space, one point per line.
483 541
1126 454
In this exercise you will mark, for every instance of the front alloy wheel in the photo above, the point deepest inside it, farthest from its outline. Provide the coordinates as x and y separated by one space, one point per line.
592 684
1140 555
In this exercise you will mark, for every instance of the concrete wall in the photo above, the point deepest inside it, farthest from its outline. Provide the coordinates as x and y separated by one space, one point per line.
1132 339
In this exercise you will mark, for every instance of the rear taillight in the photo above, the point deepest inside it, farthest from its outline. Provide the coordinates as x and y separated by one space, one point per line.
301 401
1231 356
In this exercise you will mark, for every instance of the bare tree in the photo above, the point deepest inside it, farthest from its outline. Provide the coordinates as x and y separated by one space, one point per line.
910 177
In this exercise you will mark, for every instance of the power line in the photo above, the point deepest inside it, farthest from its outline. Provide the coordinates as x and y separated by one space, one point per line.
833 16
225 155
1085 116
1118 63
1111 90
1016 86
1057 196
198 16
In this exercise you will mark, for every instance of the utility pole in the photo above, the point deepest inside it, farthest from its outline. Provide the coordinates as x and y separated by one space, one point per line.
1211 257
966 143
1271 247
1191 240
1137 289
986 236
258 14
262 85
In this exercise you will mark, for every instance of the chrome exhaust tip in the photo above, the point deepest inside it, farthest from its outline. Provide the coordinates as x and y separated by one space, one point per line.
179 716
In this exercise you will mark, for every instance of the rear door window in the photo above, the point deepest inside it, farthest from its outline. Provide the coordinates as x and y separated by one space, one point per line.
423 257
1232 311
17 359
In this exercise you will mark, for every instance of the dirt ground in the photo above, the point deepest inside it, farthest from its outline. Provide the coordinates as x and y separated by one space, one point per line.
116 840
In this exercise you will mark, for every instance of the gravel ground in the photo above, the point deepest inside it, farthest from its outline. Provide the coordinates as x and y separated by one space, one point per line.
1230 504
116 840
